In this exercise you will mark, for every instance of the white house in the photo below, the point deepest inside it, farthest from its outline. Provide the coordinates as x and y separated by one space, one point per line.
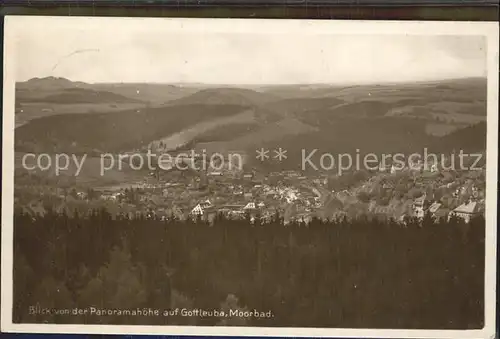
81 195
250 206
433 209
201 207
465 211
418 206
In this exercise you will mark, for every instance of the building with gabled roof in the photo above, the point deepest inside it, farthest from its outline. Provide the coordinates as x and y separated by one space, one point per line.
248 176
466 211
418 206
434 207
201 208
250 206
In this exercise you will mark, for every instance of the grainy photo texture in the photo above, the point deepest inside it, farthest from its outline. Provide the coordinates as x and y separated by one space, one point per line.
211 174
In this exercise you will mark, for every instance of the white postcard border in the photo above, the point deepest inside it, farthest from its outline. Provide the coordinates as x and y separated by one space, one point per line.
487 29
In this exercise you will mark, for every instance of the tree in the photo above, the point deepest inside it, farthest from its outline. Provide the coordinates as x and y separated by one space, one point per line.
231 306
54 295
92 194
383 201
73 193
104 262
415 193
181 301
24 278
117 285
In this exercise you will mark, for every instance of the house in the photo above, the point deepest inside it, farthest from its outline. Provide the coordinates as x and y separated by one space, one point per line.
438 211
383 210
201 208
231 207
383 167
388 185
466 211
418 206
270 191
81 195
417 166
233 211
434 208
165 192
250 206
303 217
290 196
248 176
112 197
292 174
395 169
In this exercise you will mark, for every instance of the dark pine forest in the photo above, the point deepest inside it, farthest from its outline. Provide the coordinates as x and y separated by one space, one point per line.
348 273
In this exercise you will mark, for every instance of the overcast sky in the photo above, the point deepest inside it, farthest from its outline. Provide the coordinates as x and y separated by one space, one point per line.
82 52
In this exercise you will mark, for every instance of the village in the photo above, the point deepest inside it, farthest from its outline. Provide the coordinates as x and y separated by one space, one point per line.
388 192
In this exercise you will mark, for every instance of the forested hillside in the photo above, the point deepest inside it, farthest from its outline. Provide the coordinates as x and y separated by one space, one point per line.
342 273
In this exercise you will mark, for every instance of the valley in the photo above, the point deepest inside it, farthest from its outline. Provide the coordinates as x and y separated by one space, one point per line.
136 118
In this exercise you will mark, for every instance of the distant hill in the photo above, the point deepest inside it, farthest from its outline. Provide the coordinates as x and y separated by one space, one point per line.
346 119
465 90
77 96
62 91
112 132
303 105
378 119
52 90
155 94
469 139
49 83
226 96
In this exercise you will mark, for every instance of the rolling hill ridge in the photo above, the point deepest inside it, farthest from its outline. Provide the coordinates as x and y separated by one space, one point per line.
374 118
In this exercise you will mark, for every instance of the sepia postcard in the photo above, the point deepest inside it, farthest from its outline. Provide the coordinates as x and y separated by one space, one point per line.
292 178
